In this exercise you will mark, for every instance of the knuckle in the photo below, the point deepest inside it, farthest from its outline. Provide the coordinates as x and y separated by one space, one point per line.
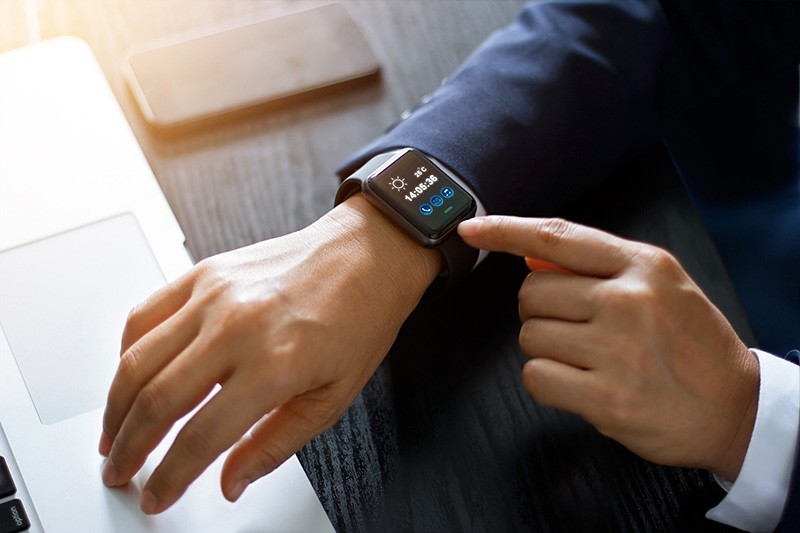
162 484
151 402
206 267
316 412
596 295
133 317
198 441
210 277
234 316
244 313
270 457
283 359
630 297
133 314
663 262
121 454
236 312
657 260
616 408
533 380
131 331
286 366
502 225
526 338
524 309
553 231
130 363
324 410
527 286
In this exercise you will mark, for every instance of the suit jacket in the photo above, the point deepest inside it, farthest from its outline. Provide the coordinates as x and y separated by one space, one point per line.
569 92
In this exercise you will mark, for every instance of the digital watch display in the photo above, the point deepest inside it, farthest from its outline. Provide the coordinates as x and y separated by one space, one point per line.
422 193
422 199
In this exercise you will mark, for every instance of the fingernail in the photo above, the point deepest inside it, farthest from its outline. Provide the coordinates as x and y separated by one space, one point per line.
110 473
148 502
105 444
469 228
238 489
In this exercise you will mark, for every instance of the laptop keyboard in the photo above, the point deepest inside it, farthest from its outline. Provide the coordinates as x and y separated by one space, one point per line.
12 513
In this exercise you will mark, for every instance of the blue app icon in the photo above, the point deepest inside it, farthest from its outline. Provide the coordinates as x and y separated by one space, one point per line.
436 200
447 192
425 209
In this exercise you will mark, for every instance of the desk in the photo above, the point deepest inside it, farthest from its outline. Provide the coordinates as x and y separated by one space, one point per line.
443 437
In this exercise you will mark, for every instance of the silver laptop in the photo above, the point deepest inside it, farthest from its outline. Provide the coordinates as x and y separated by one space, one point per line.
85 234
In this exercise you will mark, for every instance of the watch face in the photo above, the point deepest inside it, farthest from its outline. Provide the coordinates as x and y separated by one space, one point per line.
422 194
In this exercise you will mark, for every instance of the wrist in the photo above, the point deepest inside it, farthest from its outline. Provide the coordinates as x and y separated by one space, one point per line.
390 260
745 402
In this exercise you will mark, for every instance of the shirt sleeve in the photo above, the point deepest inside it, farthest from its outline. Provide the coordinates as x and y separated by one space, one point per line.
755 501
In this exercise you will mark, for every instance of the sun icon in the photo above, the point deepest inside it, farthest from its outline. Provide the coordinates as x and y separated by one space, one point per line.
398 183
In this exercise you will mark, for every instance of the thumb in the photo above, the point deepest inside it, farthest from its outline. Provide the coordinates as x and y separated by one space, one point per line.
274 439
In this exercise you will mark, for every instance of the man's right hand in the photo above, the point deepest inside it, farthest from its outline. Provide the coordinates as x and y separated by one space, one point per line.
291 328
628 341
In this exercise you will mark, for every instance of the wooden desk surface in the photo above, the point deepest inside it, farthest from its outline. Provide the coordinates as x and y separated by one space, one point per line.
443 437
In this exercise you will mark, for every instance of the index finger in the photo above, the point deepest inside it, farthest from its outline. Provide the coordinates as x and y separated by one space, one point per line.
156 309
577 248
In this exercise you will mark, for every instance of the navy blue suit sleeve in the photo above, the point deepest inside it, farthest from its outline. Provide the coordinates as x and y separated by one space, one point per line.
546 107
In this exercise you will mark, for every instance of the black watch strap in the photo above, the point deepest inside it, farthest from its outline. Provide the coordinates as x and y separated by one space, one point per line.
459 257
352 185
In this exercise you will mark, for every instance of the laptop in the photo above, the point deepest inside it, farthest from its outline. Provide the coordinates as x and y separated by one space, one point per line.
85 234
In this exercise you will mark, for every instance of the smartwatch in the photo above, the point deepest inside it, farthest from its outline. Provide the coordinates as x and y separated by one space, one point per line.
421 199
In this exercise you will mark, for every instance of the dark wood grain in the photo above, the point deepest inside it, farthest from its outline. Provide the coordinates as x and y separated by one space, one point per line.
443 437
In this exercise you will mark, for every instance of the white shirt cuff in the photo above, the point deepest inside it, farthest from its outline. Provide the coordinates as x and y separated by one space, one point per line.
756 499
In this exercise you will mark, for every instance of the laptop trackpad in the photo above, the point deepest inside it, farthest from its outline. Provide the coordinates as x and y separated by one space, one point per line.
63 305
